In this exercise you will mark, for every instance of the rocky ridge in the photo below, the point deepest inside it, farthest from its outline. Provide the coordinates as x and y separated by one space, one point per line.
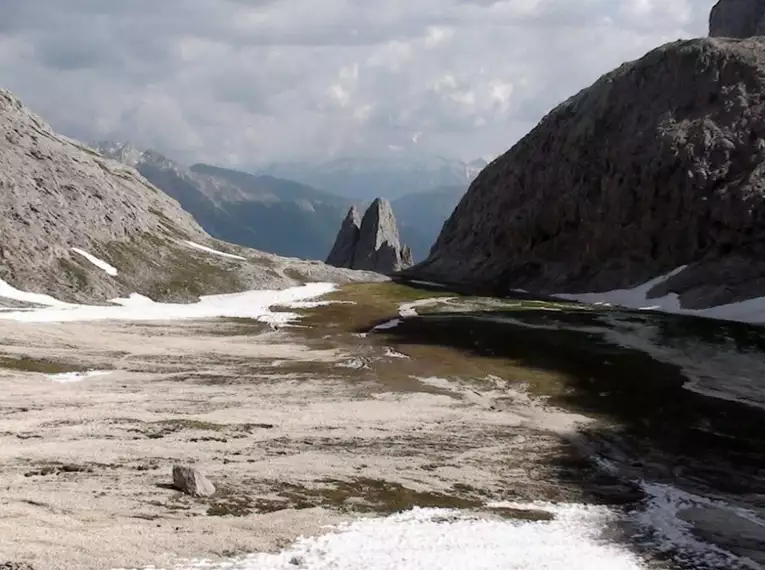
659 164
58 194
737 19
372 243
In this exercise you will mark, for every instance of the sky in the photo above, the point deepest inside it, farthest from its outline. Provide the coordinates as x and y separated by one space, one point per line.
245 82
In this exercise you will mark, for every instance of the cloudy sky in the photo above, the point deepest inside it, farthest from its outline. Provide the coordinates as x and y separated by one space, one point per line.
239 82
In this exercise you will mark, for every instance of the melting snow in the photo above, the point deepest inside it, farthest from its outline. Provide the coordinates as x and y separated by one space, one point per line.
387 325
410 309
214 251
71 377
390 353
10 292
100 263
750 311
426 539
249 304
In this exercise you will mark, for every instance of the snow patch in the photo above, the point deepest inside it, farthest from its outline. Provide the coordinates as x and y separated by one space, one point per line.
249 304
428 284
353 363
214 251
10 292
72 377
392 324
425 539
410 309
100 263
749 311
390 353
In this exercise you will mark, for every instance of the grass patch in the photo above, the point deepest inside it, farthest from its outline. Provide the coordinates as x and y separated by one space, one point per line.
365 495
41 365
164 428
78 276
157 267
371 303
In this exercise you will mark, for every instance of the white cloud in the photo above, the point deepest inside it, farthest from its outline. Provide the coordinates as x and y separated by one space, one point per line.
242 81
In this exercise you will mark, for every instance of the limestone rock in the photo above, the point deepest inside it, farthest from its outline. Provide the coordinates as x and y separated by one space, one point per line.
347 238
192 482
659 164
375 243
57 194
737 19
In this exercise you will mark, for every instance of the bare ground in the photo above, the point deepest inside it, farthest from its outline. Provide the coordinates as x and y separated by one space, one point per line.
296 430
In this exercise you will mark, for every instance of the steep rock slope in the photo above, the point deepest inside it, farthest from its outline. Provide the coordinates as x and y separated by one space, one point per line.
659 164
347 238
737 19
372 244
56 195
267 213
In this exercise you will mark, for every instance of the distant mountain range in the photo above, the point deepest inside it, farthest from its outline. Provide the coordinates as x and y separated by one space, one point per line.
259 211
390 177
295 219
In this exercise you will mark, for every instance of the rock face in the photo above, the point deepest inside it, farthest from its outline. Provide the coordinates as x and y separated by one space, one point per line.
659 164
737 19
372 244
347 238
192 482
57 194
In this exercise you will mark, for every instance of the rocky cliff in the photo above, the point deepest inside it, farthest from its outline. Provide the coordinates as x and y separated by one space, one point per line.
372 244
347 238
737 19
59 198
659 164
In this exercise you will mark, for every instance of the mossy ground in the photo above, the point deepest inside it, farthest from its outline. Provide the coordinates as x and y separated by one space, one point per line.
41 365
359 495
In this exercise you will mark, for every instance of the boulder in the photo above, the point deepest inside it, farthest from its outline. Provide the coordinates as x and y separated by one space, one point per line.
737 19
659 164
192 482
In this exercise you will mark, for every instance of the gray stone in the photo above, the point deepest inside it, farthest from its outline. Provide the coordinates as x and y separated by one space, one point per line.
737 19
192 482
347 238
659 164
375 246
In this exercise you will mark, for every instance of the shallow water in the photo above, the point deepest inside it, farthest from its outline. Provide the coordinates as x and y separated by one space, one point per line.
680 401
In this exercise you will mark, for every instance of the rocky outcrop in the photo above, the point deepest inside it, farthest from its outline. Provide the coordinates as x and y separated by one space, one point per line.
59 198
737 19
347 238
659 164
373 244
192 482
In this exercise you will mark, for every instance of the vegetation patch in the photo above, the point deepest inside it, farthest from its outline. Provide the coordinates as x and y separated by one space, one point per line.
164 428
184 274
41 365
366 495
77 275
